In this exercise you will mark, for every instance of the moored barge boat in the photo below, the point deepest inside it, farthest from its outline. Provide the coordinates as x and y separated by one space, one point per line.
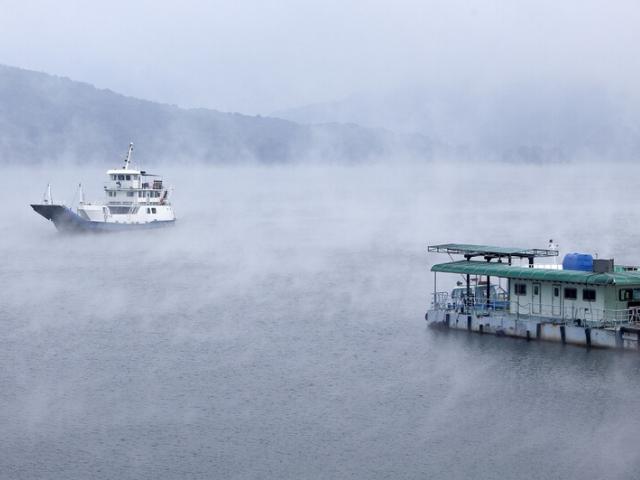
135 200
585 301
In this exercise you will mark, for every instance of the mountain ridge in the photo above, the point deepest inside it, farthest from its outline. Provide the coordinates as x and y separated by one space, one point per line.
45 117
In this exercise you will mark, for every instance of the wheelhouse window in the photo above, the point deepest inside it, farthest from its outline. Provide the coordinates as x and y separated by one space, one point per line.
570 293
120 177
130 194
128 177
520 288
153 210
589 295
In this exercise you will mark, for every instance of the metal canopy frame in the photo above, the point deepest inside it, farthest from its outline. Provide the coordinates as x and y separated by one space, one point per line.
490 252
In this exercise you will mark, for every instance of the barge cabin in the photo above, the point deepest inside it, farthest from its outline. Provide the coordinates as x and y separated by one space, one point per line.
584 301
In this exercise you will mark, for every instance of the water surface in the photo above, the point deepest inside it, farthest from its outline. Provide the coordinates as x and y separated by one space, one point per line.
277 331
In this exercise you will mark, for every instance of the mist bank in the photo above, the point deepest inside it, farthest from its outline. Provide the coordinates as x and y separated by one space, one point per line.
44 118
47 118
533 120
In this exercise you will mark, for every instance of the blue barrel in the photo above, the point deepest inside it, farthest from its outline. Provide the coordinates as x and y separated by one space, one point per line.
578 261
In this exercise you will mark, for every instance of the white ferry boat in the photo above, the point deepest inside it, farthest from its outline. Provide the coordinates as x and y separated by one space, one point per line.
135 199
585 301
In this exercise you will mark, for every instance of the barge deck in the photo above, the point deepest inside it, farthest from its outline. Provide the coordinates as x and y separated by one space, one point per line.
596 307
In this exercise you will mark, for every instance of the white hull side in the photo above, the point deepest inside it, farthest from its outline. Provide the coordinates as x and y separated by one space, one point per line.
144 213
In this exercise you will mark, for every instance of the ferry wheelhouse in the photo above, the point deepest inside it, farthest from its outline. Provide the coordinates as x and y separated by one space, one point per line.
584 301
135 199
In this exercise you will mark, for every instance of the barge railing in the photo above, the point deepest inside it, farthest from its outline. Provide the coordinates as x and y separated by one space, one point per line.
588 317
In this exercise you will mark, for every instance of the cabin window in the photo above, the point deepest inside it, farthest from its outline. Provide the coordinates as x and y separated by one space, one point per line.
589 295
536 290
556 291
153 210
129 194
128 177
148 210
520 288
570 293
135 177
628 294
120 210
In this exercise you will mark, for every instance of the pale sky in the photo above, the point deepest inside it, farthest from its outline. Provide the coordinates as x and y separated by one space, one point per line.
259 56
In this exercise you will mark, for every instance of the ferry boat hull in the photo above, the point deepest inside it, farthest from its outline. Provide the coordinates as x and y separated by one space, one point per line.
66 220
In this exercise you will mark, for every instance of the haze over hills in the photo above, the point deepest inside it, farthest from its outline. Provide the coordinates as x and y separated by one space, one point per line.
44 117
523 121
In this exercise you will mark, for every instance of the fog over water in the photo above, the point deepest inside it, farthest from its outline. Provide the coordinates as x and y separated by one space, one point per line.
278 330
257 57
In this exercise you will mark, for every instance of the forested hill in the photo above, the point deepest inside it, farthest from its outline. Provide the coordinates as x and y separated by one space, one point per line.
49 118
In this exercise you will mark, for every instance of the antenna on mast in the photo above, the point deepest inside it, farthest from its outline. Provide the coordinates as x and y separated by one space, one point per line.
127 159
47 195
556 247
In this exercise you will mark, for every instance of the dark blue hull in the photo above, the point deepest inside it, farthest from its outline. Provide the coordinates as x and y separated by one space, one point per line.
66 220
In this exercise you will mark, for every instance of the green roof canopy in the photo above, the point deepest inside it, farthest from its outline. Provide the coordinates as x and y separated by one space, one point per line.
469 250
504 270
